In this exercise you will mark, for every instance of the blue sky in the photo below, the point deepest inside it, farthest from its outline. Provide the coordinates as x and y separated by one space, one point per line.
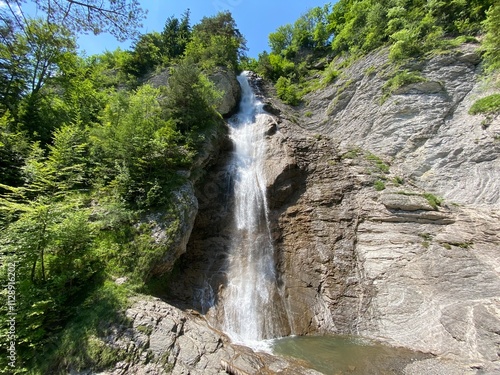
255 19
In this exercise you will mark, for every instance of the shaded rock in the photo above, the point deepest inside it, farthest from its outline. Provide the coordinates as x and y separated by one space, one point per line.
171 230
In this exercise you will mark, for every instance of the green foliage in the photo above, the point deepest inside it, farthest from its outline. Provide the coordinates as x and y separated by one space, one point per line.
176 35
32 58
136 148
85 154
433 200
406 43
281 39
399 80
398 181
248 63
411 28
352 154
148 52
120 18
216 42
491 44
13 151
191 100
290 43
379 185
287 91
78 346
50 243
487 105
379 163
330 75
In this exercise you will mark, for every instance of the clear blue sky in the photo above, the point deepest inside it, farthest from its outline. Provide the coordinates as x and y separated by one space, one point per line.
255 19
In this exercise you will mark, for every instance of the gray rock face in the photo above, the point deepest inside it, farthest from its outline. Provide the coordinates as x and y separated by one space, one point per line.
172 230
391 264
161 339
423 128
227 83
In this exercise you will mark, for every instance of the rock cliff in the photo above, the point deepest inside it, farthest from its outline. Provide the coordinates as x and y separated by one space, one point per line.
384 212
364 242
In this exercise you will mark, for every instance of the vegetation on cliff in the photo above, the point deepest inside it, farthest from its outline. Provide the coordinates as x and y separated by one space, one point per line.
352 28
86 150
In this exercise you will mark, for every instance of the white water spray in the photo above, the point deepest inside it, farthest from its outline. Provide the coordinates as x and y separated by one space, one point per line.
253 307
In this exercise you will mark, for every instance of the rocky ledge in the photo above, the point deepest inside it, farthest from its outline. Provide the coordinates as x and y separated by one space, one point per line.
159 339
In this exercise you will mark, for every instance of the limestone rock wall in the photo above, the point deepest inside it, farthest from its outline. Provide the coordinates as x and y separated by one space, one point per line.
423 128
361 245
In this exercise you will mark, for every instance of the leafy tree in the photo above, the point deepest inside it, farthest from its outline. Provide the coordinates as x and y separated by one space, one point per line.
287 91
411 27
113 69
121 18
148 52
29 60
191 99
281 39
51 245
216 42
310 31
137 147
13 65
66 166
13 151
48 44
176 35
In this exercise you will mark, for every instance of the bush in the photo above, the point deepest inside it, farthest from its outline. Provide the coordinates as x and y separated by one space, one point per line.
433 200
330 75
379 163
287 91
379 185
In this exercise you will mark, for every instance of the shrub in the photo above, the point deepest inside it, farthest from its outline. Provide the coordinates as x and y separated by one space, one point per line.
489 104
379 185
287 91
379 163
401 79
330 75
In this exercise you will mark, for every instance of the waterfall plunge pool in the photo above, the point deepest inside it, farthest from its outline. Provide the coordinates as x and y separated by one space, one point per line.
346 355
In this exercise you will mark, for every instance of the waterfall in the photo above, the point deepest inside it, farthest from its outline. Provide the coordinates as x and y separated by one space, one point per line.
252 305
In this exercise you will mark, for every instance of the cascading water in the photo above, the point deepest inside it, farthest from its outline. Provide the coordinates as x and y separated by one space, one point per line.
252 306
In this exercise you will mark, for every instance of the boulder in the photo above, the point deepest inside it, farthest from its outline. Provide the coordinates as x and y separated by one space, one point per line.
226 82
